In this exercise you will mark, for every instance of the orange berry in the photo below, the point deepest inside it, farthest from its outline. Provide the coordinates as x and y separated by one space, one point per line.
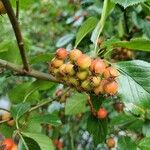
99 66
82 75
110 142
111 88
56 62
74 54
15 147
61 53
102 113
8 143
110 72
84 61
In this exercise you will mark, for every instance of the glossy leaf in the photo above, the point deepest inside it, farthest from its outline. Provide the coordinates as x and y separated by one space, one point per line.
134 81
87 26
126 3
125 142
76 104
97 128
43 141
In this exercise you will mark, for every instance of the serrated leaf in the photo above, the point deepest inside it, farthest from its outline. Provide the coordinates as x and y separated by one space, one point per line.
41 58
97 128
64 40
76 104
47 119
20 109
86 27
144 144
127 3
43 141
134 81
125 142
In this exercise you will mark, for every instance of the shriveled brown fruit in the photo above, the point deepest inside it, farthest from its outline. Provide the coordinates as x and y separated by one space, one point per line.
111 88
74 54
2 8
119 106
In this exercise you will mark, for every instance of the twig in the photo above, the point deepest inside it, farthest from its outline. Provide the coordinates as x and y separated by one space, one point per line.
17 31
48 101
93 111
32 73
4 109
17 9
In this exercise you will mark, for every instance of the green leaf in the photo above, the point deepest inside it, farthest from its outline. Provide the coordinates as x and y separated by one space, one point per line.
22 92
108 6
47 119
64 40
146 129
97 128
125 142
19 110
41 58
86 27
6 130
134 81
127 3
144 144
135 44
42 85
76 104
43 141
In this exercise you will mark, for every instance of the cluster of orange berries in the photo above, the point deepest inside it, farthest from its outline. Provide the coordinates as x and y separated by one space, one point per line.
8 144
83 72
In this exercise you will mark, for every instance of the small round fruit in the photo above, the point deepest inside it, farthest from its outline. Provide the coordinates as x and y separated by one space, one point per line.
73 81
84 61
119 106
61 53
11 123
110 72
56 62
99 66
110 142
59 92
8 144
6 116
95 81
69 69
86 85
74 54
62 69
2 8
82 75
102 113
60 145
111 88
15 147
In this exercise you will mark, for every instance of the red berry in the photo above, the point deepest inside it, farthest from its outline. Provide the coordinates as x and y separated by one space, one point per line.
110 142
15 147
84 61
102 113
111 88
74 54
61 53
8 144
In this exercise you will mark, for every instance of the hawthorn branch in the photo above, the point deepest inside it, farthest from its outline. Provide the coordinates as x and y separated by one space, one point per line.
17 32
17 9
32 73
